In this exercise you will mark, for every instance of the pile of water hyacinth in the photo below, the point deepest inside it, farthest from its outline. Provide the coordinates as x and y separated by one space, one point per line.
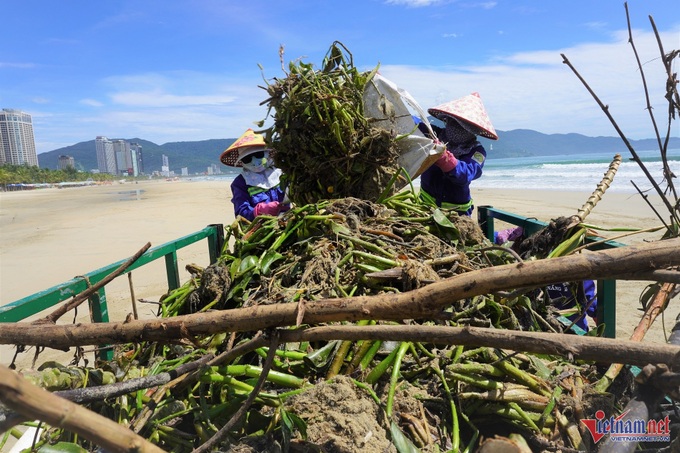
346 395
349 234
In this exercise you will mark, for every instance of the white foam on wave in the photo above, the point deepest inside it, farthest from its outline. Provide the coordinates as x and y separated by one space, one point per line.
571 176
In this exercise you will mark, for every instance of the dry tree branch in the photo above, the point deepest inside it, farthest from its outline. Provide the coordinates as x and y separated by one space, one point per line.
582 347
605 109
672 97
645 197
83 296
602 187
662 146
35 403
644 79
421 303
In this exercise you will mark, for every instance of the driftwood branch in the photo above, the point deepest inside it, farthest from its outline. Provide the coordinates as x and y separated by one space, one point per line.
37 404
423 303
83 296
602 187
655 308
583 347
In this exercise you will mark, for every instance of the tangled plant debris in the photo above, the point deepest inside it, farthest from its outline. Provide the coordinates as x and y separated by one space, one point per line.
349 234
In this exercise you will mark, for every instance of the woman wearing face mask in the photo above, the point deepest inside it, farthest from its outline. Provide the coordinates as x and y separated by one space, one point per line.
256 190
447 182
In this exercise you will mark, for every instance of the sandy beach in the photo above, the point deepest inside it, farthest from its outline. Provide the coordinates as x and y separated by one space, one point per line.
52 235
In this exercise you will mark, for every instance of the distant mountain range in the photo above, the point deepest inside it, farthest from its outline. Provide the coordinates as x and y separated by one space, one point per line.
199 155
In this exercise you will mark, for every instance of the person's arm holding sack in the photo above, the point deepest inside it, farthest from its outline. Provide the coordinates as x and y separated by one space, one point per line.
241 199
462 170
447 161
268 208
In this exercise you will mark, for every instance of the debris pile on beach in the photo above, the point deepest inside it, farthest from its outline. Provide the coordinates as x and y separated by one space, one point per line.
362 319
342 395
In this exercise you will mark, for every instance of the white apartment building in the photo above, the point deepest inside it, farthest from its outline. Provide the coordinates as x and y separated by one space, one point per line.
17 142
106 157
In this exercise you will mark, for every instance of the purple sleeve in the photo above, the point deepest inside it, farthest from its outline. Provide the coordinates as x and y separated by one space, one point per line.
241 199
591 295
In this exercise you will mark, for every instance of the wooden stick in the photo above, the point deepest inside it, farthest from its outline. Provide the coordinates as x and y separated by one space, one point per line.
602 187
423 303
583 347
653 310
83 296
37 404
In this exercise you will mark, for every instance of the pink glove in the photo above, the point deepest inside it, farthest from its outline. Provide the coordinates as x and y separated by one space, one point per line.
269 208
447 161
511 234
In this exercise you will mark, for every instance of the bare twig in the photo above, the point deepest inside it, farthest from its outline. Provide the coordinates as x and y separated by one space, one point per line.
83 296
224 431
636 157
673 99
642 75
35 403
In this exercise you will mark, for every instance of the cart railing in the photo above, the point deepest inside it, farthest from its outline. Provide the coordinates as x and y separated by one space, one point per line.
35 303
606 289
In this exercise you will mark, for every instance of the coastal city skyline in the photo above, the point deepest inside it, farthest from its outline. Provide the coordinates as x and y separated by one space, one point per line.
170 71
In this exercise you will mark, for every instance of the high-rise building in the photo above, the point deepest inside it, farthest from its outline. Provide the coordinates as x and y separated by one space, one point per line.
121 149
106 157
165 168
17 143
137 158
65 162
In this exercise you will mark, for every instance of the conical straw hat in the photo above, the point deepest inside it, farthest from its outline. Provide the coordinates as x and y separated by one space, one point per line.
247 143
470 110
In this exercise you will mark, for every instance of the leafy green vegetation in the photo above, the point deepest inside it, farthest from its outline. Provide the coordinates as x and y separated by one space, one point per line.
24 174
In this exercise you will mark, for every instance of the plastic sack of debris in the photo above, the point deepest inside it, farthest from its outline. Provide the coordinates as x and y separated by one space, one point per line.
386 106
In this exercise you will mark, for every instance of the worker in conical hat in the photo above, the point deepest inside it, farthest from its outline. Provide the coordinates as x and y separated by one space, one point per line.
447 182
257 190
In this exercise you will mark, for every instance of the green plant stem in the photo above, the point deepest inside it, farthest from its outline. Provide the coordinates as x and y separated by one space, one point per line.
396 369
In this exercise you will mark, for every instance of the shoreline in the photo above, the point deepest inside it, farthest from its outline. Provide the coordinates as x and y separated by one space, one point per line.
49 236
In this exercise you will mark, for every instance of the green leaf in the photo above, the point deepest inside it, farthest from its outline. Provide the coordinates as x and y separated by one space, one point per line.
269 258
62 447
402 443
445 227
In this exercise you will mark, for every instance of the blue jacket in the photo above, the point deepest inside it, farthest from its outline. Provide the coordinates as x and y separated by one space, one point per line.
564 296
454 187
246 197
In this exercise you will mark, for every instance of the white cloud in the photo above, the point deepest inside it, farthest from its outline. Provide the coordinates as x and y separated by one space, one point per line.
158 98
91 102
536 90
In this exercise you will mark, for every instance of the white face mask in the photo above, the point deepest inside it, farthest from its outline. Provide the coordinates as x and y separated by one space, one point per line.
258 165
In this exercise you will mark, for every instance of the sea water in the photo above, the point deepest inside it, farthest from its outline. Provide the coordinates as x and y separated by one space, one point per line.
573 172
580 172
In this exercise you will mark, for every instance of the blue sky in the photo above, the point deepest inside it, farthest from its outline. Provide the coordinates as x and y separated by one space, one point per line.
171 70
